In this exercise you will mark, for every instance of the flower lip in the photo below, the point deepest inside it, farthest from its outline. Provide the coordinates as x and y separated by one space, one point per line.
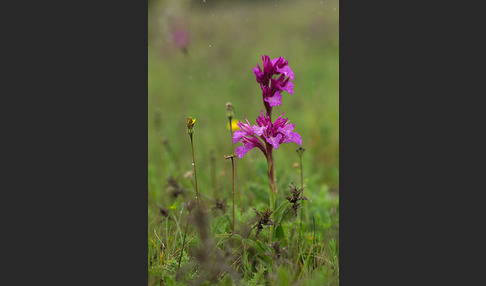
275 99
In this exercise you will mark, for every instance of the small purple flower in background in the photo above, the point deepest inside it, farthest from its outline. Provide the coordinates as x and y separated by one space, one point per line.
272 87
179 33
180 37
265 131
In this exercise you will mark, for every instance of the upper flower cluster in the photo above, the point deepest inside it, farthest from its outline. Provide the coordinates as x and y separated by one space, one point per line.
265 134
272 86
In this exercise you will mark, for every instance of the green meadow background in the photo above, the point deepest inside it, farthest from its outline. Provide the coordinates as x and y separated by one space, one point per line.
226 40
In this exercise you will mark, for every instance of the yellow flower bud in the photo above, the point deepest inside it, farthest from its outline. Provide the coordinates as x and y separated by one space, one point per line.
190 125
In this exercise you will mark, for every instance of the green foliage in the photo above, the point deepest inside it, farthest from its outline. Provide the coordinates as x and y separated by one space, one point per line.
258 277
283 277
281 211
221 224
259 191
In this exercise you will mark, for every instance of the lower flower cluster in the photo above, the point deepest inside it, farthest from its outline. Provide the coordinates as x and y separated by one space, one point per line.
265 134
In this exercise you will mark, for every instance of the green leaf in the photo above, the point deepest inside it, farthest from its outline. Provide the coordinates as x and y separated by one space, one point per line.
278 214
246 241
279 233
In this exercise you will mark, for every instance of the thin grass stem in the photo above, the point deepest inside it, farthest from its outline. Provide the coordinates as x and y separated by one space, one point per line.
183 244
236 169
314 244
233 191
194 165
300 151
212 161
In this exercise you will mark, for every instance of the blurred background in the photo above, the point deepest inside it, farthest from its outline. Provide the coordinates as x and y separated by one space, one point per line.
201 54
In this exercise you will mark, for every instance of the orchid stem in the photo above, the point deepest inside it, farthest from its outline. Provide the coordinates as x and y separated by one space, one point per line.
273 185
271 181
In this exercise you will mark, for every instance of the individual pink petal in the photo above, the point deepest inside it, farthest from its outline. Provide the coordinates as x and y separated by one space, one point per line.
287 71
267 66
237 136
288 87
293 137
287 129
262 120
258 130
258 73
280 122
276 99
245 127
274 141
242 150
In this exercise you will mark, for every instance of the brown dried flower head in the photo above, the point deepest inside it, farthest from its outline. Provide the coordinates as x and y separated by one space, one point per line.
277 251
295 197
300 150
263 218
175 187
164 211
220 205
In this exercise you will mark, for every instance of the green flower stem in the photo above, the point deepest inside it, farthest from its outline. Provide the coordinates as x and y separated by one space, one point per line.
272 183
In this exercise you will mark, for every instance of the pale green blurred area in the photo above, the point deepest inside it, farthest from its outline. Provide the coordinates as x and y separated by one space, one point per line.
226 40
